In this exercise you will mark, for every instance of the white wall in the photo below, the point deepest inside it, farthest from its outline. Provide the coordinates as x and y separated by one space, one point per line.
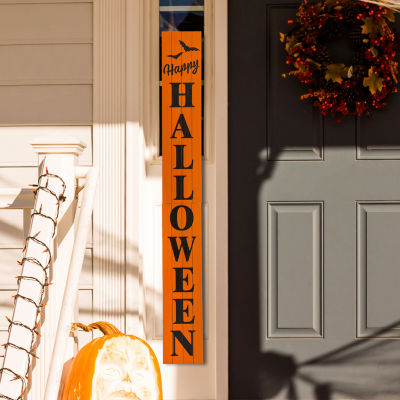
90 70
46 79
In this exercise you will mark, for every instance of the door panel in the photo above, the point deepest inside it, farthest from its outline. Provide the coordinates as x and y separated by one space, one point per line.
294 238
378 275
378 137
314 217
282 144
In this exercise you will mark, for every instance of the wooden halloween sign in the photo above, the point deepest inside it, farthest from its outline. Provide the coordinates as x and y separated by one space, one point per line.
181 151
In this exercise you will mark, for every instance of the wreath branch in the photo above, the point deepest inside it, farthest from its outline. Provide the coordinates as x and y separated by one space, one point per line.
333 87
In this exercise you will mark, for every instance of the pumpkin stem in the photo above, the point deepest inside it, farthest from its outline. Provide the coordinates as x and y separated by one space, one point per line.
105 327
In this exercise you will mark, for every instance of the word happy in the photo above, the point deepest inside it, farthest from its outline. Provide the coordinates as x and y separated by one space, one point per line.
189 67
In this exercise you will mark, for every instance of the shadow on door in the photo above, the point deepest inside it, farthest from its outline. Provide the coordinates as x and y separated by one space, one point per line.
314 221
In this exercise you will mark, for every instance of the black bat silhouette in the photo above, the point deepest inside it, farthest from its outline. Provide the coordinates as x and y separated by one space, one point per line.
187 48
176 56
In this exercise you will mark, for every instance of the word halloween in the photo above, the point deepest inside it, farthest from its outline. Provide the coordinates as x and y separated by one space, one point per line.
181 152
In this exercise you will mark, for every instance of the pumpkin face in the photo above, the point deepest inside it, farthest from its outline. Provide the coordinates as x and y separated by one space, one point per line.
114 367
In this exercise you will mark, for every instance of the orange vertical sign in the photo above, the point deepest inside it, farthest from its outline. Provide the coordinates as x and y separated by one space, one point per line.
181 151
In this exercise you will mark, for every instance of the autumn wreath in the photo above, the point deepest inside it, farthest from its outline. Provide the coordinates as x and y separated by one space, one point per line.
337 88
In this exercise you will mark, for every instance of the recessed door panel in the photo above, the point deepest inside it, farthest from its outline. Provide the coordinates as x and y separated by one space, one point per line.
378 272
283 100
294 270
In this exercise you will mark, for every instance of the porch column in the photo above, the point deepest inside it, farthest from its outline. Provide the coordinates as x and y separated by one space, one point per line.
60 156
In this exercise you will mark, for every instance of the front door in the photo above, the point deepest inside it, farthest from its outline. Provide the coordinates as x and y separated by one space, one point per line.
314 230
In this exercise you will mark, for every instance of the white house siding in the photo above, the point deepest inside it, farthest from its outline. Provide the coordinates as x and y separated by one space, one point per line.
48 65
46 75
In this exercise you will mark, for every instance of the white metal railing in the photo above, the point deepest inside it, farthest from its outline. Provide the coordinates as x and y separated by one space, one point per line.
55 205
71 289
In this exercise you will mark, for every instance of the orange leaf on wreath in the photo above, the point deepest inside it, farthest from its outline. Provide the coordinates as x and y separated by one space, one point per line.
373 82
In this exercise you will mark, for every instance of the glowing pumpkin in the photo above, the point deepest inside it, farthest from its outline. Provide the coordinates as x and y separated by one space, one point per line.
113 367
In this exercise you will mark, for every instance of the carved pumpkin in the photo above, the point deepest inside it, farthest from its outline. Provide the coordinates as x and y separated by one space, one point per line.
113 367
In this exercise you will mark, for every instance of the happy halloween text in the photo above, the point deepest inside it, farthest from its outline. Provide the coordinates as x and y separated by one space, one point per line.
182 264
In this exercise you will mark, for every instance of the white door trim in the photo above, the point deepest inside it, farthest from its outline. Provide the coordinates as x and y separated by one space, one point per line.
143 166
220 23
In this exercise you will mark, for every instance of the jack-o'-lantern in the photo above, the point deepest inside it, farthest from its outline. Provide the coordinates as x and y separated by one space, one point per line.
113 367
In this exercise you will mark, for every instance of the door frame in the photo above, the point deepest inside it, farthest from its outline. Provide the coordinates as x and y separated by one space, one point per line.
141 107
220 22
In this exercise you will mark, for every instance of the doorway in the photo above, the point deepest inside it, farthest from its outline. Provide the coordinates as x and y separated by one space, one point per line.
314 227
